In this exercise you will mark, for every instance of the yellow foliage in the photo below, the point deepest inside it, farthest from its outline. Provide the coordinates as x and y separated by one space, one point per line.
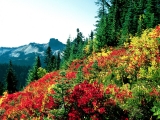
3 97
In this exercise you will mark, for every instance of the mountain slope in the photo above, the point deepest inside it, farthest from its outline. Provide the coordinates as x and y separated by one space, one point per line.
25 55
115 84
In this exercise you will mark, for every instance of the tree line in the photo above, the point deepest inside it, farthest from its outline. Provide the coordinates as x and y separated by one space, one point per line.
119 19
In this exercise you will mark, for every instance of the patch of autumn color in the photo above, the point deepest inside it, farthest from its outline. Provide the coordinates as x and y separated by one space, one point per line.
155 92
31 100
156 32
75 65
71 75
97 97
90 100
118 94
87 68
88 97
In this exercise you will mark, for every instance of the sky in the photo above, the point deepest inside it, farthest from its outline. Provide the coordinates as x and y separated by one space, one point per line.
25 21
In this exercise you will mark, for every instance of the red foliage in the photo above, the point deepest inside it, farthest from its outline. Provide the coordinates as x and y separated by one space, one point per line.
87 68
157 30
120 94
71 75
32 99
75 65
154 92
88 98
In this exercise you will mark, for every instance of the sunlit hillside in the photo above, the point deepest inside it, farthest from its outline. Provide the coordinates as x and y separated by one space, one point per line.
116 83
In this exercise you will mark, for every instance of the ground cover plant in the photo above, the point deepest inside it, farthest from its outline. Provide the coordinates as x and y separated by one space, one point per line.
115 83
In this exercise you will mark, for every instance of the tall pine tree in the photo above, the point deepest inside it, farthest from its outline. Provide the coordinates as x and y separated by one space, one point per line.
58 61
77 46
67 51
33 72
11 79
2 88
48 59
117 19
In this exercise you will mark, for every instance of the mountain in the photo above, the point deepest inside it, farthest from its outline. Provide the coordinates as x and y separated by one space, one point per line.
25 54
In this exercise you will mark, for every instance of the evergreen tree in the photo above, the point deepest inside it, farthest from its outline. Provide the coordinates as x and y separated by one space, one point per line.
119 18
58 61
67 51
155 9
91 35
33 72
126 27
77 45
11 79
38 62
2 88
101 33
152 13
101 30
102 11
48 59
53 63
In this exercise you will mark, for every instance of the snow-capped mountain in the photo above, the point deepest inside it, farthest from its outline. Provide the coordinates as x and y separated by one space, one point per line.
25 55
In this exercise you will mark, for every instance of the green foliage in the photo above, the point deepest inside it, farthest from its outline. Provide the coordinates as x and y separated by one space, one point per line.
156 109
139 106
11 79
58 61
41 72
61 90
114 83
67 51
35 72
118 19
101 34
74 49
49 60
2 88
125 27
77 46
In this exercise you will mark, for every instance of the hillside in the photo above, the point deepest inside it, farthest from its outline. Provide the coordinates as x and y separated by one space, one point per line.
116 83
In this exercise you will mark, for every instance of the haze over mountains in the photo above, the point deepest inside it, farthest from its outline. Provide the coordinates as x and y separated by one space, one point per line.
25 54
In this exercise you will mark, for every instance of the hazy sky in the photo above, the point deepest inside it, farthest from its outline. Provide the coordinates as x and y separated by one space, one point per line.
25 21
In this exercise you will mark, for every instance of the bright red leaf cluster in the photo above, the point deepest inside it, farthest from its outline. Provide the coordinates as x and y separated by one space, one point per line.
89 99
33 99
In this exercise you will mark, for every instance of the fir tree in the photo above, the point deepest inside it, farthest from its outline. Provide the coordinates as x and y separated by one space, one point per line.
101 23
58 61
53 63
38 62
2 88
91 35
77 45
67 51
125 27
119 18
47 60
33 72
101 33
11 79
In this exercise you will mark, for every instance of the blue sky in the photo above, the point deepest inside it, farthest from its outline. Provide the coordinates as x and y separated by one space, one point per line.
25 21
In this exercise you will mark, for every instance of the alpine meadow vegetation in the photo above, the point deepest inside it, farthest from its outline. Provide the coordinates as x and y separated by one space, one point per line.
116 83
112 75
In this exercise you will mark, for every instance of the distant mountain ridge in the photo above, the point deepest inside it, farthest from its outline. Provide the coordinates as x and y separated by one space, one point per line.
25 54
